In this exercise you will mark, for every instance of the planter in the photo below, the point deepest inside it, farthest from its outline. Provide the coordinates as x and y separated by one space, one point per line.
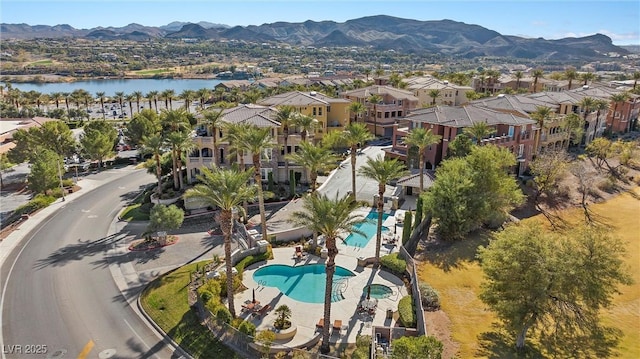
285 334
166 202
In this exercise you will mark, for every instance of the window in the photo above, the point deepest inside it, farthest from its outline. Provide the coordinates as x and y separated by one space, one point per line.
510 131
319 111
328 109
520 150
266 154
264 173
314 111
399 102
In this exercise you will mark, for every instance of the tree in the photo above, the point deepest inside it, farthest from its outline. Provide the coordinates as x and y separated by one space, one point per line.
375 99
286 119
258 141
548 169
586 77
183 143
174 121
152 97
101 98
472 191
154 144
143 124
573 126
434 94
314 159
422 138
212 119
541 115
636 77
332 218
617 99
354 136
357 109
163 218
284 313
518 75
554 283
45 171
570 74
381 171
52 135
305 124
420 347
98 140
225 189
460 146
479 131
537 74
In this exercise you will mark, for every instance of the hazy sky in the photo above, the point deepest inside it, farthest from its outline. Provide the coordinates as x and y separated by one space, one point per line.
618 19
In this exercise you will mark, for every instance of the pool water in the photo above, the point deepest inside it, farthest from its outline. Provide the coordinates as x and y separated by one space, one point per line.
378 291
304 283
369 228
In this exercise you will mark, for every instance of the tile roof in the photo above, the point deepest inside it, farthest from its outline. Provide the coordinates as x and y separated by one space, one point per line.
299 98
381 90
466 116
413 180
522 104
261 116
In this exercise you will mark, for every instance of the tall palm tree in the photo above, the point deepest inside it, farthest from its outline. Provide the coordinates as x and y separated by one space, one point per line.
636 77
167 96
174 121
537 74
182 142
232 135
286 119
541 115
119 97
518 75
331 218
256 140
616 99
374 99
203 95
381 171
354 135
434 94
154 145
212 119
600 106
225 189
357 109
305 123
101 96
188 96
570 74
422 138
152 97
130 98
138 97
314 159
57 97
586 77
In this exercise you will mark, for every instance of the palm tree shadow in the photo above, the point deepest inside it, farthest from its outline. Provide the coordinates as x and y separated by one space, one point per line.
78 251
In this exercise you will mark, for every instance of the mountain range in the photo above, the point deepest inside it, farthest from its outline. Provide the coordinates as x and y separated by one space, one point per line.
444 37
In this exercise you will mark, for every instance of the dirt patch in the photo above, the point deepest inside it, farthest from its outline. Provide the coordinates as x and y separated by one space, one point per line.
439 326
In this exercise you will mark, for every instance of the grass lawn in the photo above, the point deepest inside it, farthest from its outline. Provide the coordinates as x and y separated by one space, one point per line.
165 300
135 212
41 63
152 72
456 275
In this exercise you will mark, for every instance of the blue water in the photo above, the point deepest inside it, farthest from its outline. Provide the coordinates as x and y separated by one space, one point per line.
305 283
128 86
369 228
378 291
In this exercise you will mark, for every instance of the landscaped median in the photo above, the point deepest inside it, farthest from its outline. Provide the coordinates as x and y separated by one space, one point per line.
165 301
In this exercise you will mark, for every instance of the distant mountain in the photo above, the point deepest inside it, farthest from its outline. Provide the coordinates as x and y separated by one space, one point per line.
445 37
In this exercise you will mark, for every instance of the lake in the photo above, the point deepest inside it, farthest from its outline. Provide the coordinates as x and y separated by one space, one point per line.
128 86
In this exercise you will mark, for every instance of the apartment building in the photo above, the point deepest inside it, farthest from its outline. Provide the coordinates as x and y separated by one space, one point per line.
424 87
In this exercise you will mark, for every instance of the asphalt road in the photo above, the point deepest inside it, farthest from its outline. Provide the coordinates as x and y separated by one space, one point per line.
59 292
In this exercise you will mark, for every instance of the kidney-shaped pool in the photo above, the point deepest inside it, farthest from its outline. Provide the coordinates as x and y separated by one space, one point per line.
304 283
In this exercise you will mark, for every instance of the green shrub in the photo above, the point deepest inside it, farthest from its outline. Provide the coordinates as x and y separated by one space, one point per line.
363 342
55 192
205 295
394 263
406 312
406 227
249 260
247 328
67 182
429 297
223 314
38 202
237 284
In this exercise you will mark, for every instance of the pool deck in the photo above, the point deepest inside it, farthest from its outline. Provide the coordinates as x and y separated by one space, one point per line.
306 315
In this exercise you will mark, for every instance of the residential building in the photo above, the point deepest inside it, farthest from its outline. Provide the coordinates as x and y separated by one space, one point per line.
392 108
331 113
513 131
450 94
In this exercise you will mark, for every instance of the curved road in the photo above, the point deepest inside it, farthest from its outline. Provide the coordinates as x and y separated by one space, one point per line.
58 290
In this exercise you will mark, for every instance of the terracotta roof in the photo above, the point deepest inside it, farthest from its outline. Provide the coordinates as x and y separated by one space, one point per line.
413 180
365 92
466 116
299 98
260 116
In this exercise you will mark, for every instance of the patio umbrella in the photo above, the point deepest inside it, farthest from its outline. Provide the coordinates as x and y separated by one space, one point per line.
254 295
368 292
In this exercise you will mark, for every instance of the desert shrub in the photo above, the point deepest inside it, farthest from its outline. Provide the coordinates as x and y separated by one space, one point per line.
608 184
38 202
224 315
363 342
55 192
247 328
205 295
67 182
211 286
429 297
406 311
394 263
237 284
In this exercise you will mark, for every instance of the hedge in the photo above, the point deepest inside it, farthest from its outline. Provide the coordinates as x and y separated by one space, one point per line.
394 263
406 312
249 260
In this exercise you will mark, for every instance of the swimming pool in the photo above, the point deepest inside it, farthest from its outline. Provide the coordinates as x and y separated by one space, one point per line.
304 283
369 228
378 291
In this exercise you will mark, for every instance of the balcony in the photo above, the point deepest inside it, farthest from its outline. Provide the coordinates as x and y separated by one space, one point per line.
498 140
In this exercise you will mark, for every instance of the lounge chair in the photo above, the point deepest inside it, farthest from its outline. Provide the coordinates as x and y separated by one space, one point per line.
320 323
337 325
262 311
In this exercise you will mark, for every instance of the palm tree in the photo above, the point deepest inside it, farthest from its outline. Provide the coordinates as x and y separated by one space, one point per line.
174 121
586 77
154 145
138 97
600 105
434 94
570 74
423 139
537 74
616 99
225 189
152 97
212 119
130 98
57 97
286 119
256 140
101 96
167 96
374 99
636 77
188 96
518 75
232 135
357 109
305 124
203 95
354 135
381 171
182 142
331 218
541 115
314 159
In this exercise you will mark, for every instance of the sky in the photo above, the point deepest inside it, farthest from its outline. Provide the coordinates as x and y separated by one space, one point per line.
549 19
